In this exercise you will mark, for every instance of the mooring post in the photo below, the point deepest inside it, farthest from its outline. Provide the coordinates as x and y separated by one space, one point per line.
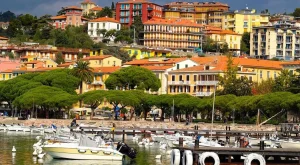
196 144
262 145
123 136
113 131
133 133
195 158
180 142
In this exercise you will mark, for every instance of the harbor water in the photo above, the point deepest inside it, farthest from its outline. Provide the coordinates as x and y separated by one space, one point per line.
23 156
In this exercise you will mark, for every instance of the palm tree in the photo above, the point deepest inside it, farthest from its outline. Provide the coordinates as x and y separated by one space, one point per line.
84 73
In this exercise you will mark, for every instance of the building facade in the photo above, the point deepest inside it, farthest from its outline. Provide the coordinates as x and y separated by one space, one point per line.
86 6
141 52
209 13
127 10
244 20
280 41
176 34
72 17
95 26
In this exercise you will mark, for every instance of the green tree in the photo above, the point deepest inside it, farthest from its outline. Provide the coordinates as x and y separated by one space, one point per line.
93 99
133 77
112 6
84 72
245 43
296 12
138 26
105 12
59 58
264 87
284 81
7 16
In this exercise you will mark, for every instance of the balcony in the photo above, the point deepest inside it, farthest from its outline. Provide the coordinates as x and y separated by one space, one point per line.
204 94
206 82
178 82
97 83
126 8
150 8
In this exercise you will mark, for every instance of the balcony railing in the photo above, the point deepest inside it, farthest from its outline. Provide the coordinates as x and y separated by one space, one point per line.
97 83
206 82
204 93
178 82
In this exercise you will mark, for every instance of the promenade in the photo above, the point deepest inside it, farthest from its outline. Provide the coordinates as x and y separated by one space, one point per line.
142 124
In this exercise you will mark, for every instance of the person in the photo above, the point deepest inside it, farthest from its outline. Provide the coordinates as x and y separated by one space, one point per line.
73 123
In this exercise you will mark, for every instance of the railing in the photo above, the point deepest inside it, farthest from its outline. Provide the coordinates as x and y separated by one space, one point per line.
204 93
178 82
206 82
97 83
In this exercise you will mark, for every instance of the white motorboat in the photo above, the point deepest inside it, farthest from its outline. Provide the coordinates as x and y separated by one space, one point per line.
3 127
88 149
17 128
289 144
157 138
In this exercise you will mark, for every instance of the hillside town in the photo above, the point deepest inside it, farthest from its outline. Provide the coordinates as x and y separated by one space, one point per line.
197 81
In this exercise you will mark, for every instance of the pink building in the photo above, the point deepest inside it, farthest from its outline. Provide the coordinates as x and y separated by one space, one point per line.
6 63
72 16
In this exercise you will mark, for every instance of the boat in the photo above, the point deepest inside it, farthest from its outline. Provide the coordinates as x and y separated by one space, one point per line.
88 149
289 144
17 128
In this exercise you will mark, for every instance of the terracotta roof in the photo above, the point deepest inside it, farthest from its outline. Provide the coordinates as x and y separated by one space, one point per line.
106 69
87 2
216 30
255 63
96 57
173 22
104 19
97 8
33 62
292 63
3 38
83 18
24 57
7 71
158 68
204 4
59 17
152 61
73 7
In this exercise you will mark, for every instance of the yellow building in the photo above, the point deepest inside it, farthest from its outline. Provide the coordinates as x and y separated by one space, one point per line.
201 80
86 6
175 34
209 13
141 52
244 20
96 52
103 61
225 36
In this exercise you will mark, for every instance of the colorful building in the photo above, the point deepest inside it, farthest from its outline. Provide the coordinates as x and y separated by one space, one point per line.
103 23
208 13
103 61
141 52
95 10
72 16
280 41
175 34
86 6
221 36
202 80
127 10
244 20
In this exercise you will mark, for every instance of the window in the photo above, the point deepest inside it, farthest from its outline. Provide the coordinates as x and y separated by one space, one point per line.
260 74
268 74
177 66
92 25
274 74
114 63
107 62
187 77
103 25
180 77
173 77
3 76
188 89
291 72
250 78
118 28
94 52
186 65
194 89
195 77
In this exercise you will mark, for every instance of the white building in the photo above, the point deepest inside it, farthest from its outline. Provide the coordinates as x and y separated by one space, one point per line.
96 26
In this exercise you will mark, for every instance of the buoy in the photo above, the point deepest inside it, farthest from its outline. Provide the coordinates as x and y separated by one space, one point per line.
254 156
158 157
205 155
14 149
34 152
175 157
187 158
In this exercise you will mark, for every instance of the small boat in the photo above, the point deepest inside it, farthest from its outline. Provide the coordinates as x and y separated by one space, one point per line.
88 149
18 127
289 144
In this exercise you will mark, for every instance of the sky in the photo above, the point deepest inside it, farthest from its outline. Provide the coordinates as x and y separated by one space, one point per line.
42 7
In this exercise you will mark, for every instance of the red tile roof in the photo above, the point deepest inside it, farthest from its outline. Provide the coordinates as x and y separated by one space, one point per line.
152 61
173 22
105 19
33 62
3 38
105 69
59 17
96 57
73 7
97 8
87 2
65 65
157 68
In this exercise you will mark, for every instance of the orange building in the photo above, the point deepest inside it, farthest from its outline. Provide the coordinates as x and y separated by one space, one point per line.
72 16
209 13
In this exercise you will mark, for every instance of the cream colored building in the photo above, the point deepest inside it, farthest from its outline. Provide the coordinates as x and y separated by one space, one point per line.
86 6
103 61
275 41
244 20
